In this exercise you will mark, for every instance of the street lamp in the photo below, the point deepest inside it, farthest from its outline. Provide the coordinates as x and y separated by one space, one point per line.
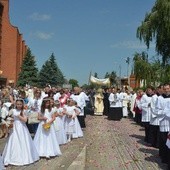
118 73
128 64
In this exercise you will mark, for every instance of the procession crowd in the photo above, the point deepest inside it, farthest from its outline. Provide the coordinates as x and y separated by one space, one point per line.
150 109
37 121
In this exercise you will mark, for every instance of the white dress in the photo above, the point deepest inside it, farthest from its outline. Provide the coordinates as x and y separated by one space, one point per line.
69 122
46 140
19 149
78 131
1 163
59 128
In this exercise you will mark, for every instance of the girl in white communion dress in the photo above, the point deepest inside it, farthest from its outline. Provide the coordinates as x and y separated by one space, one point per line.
19 149
45 139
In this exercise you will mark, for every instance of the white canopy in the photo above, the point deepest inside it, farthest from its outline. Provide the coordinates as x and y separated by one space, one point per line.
95 80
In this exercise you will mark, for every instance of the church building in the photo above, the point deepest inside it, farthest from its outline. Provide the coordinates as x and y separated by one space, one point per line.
12 47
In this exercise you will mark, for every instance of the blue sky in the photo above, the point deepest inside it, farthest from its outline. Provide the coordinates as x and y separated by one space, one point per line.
84 35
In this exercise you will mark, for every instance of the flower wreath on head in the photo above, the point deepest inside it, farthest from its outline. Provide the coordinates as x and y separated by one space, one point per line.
20 99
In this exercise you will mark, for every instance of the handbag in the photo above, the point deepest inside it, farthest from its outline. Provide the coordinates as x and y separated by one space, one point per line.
33 118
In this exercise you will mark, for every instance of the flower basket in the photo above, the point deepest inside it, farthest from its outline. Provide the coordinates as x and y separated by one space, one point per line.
46 126
10 126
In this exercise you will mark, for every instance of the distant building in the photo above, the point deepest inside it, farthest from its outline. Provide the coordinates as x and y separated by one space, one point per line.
133 83
12 47
124 81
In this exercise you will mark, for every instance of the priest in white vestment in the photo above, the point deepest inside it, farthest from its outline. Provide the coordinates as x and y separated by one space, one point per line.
98 102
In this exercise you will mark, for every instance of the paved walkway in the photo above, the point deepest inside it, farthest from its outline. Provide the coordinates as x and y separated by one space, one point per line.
70 151
118 145
106 145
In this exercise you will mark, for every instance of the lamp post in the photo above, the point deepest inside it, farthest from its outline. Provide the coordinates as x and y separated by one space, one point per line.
128 64
120 72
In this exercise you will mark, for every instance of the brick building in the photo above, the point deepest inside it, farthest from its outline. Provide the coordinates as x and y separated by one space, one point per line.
12 47
133 83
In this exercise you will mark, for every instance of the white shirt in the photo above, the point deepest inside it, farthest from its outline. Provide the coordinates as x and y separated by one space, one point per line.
163 109
154 118
34 104
114 100
80 102
57 96
146 110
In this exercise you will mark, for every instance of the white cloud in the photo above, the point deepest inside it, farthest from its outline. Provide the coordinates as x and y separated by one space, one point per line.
131 45
39 17
43 35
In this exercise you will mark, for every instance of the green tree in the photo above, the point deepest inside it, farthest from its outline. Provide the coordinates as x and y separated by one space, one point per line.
95 75
165 74
29 71
74 83
107 75
142 68
156 25
44 74
50 73
113 78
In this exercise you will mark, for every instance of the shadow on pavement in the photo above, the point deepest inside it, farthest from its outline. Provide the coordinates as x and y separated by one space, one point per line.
154 157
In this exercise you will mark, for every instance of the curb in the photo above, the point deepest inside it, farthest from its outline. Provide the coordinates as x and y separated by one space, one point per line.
79 162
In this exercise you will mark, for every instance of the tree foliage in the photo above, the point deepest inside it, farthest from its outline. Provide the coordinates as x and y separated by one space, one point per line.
95 75
50 73
113 78
29 71
74 83
152 73
142 68
156 25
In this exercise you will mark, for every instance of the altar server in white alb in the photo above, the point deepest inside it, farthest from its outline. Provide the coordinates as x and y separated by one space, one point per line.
168 145
132 102
154 122
163 105
115 110
19 149
125 101
145 105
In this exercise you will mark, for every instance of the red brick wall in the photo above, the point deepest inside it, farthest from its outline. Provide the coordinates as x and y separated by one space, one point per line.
133 82
12 46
